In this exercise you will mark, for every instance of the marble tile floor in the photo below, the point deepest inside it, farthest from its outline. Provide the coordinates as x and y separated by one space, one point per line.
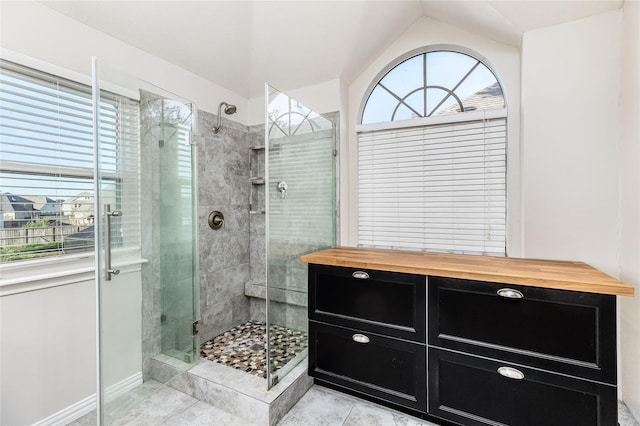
318 407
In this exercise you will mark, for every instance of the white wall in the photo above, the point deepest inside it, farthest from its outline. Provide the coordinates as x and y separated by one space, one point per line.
581 151
47 351
47 336
39 32
505 61
630 206
570 93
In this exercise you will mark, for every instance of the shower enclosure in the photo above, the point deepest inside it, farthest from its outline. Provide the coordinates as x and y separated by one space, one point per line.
146 239
146 263
301 209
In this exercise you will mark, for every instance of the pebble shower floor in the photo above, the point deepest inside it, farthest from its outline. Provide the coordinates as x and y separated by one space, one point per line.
243 347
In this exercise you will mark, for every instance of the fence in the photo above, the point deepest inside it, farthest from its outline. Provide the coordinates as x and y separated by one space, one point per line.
41 235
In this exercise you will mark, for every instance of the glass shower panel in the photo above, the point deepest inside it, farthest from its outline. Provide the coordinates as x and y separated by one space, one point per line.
145 239
301 218
166 125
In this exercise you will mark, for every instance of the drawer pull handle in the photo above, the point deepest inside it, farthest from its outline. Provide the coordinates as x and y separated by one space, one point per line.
360 338
361 275
510 293
511 373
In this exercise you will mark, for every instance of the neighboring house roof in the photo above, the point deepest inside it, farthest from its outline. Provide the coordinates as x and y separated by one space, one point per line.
5 204
41 202
489 97
17 203
83 197
87 233
52 207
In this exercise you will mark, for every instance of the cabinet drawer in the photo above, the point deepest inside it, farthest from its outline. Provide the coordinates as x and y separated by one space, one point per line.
390 369
469 390
388 303
564 331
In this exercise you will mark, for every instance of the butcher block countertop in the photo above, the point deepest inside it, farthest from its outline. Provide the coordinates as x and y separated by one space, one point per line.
576 276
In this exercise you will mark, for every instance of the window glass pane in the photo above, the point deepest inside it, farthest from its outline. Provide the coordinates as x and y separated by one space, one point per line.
480 90
449 106
379 107
436 96
404 113
416 102
446 69
41 214
405 77
46 162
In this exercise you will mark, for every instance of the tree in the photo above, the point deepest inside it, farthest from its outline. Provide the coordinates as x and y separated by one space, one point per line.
41 223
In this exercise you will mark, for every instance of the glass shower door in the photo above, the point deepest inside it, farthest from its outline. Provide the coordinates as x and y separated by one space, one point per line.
145 239
301 218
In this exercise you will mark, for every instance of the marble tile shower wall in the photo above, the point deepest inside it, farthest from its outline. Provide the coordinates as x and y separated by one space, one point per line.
258 232
223 184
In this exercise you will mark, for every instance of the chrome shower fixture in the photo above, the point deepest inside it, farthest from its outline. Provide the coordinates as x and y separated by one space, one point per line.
228 109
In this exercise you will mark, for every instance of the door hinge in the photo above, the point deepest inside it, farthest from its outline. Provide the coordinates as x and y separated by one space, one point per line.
194 328
193 139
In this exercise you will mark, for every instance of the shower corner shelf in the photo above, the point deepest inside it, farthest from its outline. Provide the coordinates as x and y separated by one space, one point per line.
256 157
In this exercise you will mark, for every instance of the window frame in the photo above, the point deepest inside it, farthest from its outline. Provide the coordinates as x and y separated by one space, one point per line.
419 51
45 272
459 117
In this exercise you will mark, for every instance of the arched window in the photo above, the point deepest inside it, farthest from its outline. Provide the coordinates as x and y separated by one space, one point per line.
432 155
432 83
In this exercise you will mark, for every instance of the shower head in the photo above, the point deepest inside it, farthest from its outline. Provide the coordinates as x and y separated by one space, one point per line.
228 109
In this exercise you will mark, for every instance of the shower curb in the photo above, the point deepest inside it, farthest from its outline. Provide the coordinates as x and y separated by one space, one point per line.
242 394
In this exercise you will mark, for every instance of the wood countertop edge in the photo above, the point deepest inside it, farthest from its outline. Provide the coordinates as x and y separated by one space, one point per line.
609 285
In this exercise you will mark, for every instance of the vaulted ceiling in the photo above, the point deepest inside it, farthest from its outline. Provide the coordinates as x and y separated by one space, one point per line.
241 44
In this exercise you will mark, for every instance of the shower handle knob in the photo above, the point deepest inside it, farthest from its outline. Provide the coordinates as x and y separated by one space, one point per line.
282 187
216 220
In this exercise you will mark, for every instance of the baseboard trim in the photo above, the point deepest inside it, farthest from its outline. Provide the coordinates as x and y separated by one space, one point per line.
122 387
71 413
88 404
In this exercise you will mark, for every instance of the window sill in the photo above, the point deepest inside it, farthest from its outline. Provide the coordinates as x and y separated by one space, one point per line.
32 275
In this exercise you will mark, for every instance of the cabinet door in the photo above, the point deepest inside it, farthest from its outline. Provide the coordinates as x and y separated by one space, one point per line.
390 369
470 390
388 303
565 331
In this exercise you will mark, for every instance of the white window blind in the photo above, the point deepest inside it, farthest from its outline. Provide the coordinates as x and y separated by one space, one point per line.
434 188
46 163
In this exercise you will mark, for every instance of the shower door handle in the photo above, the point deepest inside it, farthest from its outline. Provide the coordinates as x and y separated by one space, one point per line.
107 241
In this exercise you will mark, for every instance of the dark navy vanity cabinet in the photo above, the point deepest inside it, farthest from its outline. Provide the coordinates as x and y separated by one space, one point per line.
460 351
